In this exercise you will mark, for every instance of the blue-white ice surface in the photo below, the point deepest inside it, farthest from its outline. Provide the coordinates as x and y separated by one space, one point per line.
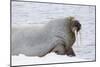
38 14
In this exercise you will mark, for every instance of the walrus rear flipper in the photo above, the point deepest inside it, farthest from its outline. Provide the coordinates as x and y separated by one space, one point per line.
70 52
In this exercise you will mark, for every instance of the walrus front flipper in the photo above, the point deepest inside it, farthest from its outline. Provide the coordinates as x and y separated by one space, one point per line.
70 52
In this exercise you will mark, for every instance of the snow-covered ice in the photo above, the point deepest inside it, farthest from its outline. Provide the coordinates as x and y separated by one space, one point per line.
38 14
50 58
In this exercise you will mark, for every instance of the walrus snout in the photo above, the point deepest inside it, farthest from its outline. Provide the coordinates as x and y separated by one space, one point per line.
76 25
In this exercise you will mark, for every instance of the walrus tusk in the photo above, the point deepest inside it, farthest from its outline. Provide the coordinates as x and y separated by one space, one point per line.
79 37
76 36
76 33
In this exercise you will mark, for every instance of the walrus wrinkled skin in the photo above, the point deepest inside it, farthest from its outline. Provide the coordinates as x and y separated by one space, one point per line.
56 36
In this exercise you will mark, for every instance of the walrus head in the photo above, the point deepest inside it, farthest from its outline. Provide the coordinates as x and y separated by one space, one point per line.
75 24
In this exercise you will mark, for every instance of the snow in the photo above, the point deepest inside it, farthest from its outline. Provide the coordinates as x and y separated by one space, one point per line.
38 14
50 58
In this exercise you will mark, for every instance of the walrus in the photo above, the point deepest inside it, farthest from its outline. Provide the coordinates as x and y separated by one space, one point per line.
56 36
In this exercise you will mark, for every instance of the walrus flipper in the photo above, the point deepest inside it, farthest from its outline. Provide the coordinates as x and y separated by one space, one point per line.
70 52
